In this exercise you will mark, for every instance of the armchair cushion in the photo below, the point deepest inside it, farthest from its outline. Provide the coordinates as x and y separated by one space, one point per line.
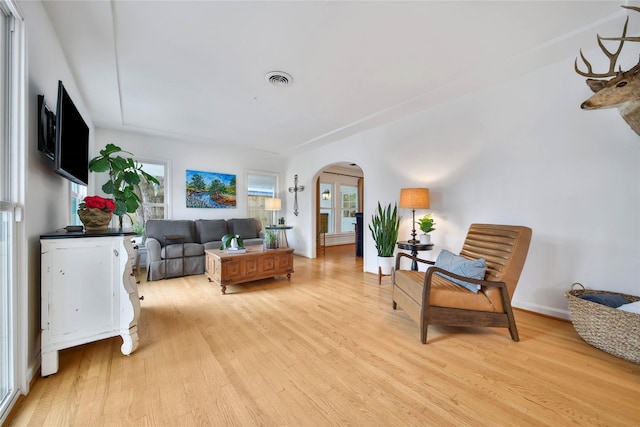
444 293
473 269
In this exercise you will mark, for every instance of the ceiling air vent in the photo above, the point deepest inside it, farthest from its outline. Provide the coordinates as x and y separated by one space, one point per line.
278 78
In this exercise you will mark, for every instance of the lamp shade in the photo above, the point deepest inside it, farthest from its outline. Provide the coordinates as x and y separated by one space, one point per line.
272 204
414 198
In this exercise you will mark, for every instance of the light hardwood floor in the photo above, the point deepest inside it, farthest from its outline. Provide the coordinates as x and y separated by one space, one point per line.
326 349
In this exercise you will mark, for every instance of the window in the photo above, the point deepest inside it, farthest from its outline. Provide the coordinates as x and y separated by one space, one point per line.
7 336
341 218
326 204
12 171
152 196
348 208
78 193
259 187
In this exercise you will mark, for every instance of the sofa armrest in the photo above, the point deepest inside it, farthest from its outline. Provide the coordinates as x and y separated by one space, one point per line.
154 249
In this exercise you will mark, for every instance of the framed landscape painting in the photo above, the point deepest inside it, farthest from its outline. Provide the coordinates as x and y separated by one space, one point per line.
210 190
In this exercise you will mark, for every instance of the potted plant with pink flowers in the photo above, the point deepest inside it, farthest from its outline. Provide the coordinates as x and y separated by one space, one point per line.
95 213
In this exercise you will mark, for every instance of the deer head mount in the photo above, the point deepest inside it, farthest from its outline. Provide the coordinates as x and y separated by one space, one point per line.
623 90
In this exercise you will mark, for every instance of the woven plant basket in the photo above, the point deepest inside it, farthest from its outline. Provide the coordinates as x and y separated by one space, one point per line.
95 219
615 331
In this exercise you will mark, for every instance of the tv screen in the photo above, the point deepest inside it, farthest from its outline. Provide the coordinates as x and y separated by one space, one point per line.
72 140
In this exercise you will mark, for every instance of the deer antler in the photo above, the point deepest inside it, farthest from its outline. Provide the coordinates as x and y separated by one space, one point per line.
628 39
613 56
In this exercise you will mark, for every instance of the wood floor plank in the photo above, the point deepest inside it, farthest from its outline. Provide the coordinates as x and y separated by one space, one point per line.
323 349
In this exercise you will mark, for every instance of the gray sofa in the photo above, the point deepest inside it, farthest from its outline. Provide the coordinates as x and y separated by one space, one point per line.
176 247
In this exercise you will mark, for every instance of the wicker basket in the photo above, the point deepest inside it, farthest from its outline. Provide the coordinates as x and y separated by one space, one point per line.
95 219
615 331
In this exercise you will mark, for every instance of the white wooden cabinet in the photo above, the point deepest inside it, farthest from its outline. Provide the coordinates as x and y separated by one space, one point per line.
88 292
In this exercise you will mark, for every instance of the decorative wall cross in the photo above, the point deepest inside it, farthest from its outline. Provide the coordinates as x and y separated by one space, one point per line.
295 189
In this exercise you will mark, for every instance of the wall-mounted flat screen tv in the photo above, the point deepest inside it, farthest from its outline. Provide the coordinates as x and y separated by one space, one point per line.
72 140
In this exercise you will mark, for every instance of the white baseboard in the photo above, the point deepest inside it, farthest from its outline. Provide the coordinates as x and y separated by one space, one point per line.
542 309
339 239
32 370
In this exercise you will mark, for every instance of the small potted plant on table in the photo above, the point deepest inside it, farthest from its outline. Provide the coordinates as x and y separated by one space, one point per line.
270 240
232 243
426 225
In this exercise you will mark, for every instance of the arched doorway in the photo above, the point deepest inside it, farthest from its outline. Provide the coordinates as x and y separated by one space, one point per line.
339 193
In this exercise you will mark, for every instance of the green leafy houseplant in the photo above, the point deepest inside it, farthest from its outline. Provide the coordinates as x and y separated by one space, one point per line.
227 240
384 229
426 223
124 176
270 239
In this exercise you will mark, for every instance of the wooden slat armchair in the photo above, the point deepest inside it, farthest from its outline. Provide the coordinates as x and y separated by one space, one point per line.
430 299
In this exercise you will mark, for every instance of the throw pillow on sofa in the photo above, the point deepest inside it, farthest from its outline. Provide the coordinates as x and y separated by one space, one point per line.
244 227
211 230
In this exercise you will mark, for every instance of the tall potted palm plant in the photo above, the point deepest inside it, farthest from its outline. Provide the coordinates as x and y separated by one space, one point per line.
384 229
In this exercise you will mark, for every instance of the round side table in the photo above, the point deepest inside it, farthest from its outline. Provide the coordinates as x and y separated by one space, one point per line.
414 248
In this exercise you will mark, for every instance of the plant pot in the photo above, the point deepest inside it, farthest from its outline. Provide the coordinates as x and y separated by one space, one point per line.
425 239
94 219
386 264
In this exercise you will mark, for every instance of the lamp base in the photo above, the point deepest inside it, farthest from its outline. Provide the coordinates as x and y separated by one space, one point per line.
413 232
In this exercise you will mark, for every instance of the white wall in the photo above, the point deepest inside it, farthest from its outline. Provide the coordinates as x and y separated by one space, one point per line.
519 153
181 155
47 208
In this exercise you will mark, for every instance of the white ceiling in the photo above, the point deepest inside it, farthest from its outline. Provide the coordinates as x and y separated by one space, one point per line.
195 70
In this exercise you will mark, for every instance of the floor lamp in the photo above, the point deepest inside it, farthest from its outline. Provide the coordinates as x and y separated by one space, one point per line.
414 198
273 204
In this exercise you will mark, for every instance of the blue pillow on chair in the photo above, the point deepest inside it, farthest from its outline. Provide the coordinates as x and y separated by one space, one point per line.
473 269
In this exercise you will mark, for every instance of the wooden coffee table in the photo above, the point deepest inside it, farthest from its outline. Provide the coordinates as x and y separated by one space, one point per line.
257 263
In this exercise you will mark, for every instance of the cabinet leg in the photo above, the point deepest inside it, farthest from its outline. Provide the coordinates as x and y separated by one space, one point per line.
129 341
49 363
